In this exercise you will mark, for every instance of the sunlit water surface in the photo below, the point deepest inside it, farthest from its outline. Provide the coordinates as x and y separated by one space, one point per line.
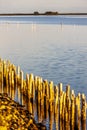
54 51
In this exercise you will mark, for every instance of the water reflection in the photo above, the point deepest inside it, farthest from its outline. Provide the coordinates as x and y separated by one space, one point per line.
47 47
66 19
33 27
55 52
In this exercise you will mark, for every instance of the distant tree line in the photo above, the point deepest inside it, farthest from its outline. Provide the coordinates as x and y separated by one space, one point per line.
51 13
46 13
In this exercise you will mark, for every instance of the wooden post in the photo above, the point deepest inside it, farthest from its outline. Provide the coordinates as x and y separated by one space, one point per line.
31 108
57 120
64 106
35 84
27 92
33 89
72 110
60 125
18 75
78 104
1 76
46 89
4 68
50 120
18 71
21 78
38 90
67 94
31 79
69 110
60 101
39 119
56 99
60 89
46 98
56 109
42 98
16 86
66 121
7 87
19 83
38 101
9 80
43 91
4 76
27 85
24 86
12 85
15 76
83 112
51 95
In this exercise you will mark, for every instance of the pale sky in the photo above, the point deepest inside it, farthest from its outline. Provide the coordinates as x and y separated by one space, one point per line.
29 6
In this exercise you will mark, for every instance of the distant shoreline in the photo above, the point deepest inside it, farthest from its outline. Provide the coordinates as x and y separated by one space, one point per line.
37 14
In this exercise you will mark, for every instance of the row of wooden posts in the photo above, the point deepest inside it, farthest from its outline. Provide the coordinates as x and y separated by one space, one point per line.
68 108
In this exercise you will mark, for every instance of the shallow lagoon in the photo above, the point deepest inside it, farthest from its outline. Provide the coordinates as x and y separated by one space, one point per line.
53 50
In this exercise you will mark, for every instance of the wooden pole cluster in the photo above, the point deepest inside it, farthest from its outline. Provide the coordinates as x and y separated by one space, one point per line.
68 109
7 77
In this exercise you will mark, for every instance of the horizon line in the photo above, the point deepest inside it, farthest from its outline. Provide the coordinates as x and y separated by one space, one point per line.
46 13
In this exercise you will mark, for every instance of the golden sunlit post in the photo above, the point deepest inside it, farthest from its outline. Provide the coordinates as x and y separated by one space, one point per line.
65 106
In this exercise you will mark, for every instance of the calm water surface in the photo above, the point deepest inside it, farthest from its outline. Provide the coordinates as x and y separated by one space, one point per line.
53 50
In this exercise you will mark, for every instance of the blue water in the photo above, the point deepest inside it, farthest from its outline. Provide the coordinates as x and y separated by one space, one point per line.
77 20
53 47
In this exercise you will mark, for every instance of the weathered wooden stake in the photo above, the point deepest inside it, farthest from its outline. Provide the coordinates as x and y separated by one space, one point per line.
51 95
56 99
21 88
1 76
72 111
83 112
12 85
